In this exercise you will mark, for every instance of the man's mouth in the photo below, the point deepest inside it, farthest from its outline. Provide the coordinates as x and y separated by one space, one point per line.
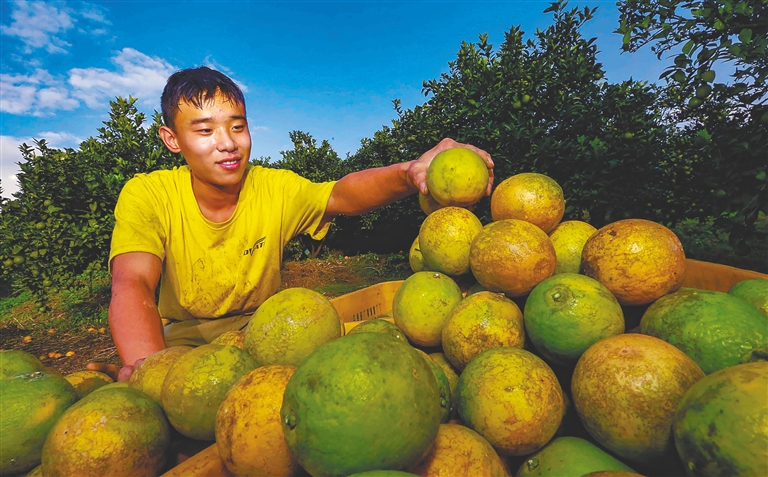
229 164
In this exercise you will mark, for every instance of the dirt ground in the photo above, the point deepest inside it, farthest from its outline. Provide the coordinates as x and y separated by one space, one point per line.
70 352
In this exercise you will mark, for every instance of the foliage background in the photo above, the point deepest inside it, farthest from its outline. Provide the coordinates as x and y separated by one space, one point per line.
689 152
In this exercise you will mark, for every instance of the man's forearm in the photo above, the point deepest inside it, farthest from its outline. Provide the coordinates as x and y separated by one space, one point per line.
135 323
367 190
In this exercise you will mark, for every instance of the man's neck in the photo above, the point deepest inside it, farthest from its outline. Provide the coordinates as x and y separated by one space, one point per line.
215 203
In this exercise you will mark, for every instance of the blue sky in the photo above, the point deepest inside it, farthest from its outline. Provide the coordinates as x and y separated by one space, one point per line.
330 69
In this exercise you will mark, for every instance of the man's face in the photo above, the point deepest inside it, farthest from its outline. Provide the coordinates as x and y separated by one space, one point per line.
214 140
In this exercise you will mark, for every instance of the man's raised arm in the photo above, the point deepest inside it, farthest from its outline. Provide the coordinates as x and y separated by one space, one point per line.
370 189
133 316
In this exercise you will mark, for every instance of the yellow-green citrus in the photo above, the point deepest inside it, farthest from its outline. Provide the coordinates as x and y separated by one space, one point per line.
422 304
457 177
445 237
529 196
569 238
149 375
415 259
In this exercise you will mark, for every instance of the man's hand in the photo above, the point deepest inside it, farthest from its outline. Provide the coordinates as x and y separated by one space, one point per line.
114 371
417 172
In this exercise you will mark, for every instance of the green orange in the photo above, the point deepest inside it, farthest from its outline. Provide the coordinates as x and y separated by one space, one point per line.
364 402
15 361
422 304
720 426
714 329
149 375
415 258
378 325
754 290
30 405
569 456
512 398
568 239
289 325
86 381
196 385
567 313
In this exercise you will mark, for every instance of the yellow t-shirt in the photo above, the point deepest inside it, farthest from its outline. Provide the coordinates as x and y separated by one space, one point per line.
214 270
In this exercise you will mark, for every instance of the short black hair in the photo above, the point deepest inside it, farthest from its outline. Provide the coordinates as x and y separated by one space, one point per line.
196 85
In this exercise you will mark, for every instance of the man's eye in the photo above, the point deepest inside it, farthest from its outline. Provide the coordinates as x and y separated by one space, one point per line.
238 127
204 131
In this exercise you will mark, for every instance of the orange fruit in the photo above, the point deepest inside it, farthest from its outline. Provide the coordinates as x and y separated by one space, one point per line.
87 381
289 325
568 239
481 321
364 402
459 451
234 338
196 385
421 306
457 177
570 456
512 398
116 432
625 391
567 313
512 256
14 362
148 377
636 259
445 237
415 258
253 403
754 290
529 196
428 204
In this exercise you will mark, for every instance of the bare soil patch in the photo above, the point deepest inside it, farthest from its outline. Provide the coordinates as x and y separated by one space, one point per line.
70 351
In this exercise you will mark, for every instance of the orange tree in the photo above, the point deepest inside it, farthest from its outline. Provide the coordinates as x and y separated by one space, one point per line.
59 224
539 104
724 114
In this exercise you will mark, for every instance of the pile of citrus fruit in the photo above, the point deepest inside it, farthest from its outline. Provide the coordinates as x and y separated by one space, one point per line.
512 349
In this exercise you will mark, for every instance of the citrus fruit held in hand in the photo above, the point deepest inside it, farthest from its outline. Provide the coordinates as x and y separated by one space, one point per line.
30 405
378 325
87 381
457 177
289 325
428 204
626 389
363 402
567 313
529 196
415 258
512 398
234 338
636 259
754 290
116 432
196 384
479 322
445 237
14 362
720 425
421 306
249 434
512 256
569 456
569 238
714 329
460 452
149 375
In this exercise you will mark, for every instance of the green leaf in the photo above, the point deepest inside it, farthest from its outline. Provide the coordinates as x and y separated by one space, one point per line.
745 35
687 47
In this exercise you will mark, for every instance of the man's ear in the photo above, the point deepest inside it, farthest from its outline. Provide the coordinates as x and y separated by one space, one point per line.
169 139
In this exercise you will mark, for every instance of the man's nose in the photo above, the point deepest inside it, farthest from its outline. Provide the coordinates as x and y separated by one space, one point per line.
225 142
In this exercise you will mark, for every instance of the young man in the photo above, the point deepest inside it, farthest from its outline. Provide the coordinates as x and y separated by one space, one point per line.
212 233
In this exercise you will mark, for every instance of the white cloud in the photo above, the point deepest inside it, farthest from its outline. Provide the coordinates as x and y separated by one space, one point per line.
35 94
43 25
10 155
137 74
39 25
